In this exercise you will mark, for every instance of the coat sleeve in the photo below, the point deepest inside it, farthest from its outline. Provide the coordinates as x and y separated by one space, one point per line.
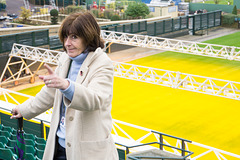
97 94
38 104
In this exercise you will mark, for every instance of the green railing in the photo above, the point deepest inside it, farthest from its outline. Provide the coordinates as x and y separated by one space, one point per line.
31 38
204 21
55 43
167 26
134 27
192 23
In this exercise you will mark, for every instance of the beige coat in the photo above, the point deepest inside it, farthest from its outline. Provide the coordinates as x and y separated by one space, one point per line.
88 115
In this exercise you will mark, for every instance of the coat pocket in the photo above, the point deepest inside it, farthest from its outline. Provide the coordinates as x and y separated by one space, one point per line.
98 150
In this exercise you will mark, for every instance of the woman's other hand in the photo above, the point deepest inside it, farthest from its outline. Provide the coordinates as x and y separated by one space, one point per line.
53 80
15 113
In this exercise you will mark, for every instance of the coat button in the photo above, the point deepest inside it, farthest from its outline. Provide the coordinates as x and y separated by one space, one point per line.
69 144
70 118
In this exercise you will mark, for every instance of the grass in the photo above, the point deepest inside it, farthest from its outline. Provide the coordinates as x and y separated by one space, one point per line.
228 40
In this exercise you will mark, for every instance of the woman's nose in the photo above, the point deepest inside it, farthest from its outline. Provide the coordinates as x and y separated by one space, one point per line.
67 41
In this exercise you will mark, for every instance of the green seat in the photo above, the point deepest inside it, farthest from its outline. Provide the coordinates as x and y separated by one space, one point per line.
3 139
5 133
2 145
29 156
40 146
0 126
12 148
121 154
29 136
30 149
14 131
7 154
13 136
11 143
37 158
40 140
7 128
29 142
39 153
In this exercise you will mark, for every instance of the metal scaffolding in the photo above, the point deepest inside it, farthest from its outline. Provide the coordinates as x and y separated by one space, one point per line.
23 53
195 83
184 81
203 49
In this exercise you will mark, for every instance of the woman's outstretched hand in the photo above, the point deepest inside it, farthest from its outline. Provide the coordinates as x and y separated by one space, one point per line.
15 113
52 80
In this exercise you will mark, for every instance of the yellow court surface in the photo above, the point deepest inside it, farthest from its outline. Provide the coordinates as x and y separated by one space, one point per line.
206 119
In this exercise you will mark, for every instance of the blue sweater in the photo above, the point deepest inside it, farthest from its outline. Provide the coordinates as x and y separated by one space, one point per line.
68 93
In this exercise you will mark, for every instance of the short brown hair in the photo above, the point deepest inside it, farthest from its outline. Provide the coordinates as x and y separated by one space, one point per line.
85 26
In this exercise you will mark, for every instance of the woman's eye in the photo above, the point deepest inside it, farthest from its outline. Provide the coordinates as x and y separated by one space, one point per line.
74 37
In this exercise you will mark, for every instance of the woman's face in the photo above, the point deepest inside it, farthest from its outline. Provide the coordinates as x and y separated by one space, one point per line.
74 45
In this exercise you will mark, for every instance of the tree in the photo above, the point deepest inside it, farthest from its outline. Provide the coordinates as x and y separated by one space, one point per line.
234 10
137 10
25 14
54 16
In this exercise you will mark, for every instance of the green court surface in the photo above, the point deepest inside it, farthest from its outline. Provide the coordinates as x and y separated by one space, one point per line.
202 118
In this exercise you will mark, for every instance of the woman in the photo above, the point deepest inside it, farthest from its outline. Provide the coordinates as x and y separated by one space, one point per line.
81 120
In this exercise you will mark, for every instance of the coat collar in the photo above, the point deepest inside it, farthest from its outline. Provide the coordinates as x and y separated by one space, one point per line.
64 65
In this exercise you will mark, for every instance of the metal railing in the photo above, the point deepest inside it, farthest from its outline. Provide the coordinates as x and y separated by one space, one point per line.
161 147
127 138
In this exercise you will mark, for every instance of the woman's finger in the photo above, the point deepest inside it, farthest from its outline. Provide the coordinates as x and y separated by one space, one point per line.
50 71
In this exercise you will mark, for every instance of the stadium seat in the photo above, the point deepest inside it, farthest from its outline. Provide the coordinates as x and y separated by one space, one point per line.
12 148
7 128
40 140
7 154
11 143
5 134
29 156
14 131
0 126
39 153
3 139
29 142
2 145
121 154
40 146
29 136
37 158
13 136
30 149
